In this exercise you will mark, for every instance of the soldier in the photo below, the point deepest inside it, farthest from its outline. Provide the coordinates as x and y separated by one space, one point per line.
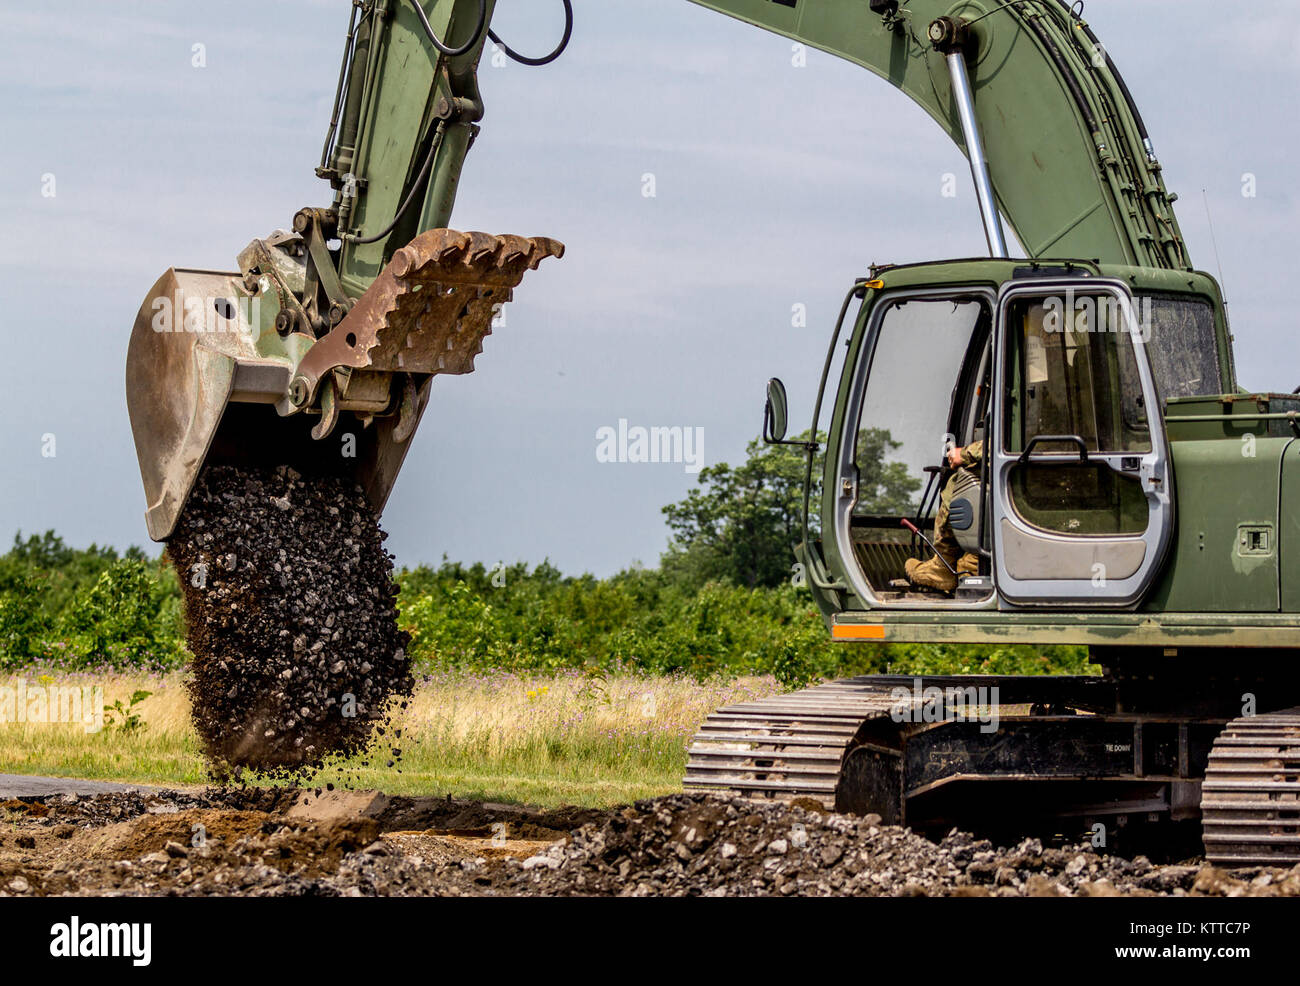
934 574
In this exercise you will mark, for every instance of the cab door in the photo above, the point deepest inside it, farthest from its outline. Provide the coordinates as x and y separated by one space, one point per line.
1082 498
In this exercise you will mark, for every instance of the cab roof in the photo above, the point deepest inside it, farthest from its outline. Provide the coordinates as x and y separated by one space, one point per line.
996 272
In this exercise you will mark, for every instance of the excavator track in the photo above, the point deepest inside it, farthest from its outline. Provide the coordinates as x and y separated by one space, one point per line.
868 744
785 747
1250 800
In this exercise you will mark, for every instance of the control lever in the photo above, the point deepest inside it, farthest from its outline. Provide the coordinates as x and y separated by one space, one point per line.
917 531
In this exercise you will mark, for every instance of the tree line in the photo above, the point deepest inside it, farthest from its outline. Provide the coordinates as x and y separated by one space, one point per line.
721 601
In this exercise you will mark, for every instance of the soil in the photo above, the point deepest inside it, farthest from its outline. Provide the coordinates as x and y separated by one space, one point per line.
285 842
291 609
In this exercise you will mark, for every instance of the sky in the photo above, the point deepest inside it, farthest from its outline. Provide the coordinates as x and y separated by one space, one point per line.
775 185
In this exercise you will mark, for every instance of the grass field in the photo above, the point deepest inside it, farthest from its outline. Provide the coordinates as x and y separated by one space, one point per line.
547 740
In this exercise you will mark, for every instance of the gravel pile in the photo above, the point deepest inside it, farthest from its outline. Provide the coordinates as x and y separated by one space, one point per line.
695 845
290 603
252 844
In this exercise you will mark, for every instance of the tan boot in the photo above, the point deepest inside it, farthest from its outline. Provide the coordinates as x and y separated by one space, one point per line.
932 574
968 564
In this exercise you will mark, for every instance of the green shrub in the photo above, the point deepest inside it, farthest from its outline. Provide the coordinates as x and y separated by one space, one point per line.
61 571
647 622
89 607
24 624
126 618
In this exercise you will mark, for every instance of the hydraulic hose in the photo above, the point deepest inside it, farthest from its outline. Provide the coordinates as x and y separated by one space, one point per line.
446 49
545 59
410 196
348 48
1119 79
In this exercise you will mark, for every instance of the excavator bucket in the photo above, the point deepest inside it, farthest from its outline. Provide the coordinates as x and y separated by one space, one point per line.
210 377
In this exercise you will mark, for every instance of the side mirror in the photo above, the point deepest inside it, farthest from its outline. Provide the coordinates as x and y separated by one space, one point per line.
776 414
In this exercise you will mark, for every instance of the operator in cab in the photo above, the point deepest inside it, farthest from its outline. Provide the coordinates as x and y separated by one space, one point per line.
934 573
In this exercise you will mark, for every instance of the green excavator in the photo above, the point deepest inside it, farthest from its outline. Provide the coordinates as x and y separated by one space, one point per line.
1130 497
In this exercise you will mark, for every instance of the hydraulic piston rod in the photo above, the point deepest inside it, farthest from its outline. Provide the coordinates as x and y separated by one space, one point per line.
949 36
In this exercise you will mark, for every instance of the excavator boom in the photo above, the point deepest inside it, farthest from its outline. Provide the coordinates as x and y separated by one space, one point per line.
1072 165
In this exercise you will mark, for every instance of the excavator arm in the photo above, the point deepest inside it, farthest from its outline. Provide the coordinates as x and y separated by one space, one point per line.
336 328
1072 166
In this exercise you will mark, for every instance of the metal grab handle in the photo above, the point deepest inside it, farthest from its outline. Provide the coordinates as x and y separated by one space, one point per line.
1083 446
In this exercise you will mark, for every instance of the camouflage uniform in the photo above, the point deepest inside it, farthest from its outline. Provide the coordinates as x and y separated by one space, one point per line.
934 574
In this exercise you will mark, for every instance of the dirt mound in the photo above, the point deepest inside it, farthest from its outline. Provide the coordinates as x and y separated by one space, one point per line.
290 603
153 833
477 818
444 848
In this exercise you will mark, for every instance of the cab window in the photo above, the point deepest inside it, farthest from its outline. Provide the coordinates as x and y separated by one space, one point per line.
1071 378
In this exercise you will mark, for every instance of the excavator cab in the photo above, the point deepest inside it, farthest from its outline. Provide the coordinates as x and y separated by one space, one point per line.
1093 388
1055 372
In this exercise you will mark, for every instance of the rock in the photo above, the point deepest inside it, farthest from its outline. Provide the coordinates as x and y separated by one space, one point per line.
322 843
1214 882
1040 886
1098 888
1166 879
544 861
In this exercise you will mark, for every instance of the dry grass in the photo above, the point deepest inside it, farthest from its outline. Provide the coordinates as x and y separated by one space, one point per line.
564 739
164 751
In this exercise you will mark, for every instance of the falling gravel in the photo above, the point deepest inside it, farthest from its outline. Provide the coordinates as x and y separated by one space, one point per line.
290 603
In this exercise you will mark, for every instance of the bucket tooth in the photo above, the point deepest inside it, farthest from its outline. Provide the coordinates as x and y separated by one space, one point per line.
429 309
483 249
514 249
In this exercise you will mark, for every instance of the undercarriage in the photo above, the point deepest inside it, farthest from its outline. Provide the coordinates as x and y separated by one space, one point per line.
1134 760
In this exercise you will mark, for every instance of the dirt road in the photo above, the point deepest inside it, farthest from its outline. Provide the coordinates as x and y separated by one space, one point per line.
24 786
